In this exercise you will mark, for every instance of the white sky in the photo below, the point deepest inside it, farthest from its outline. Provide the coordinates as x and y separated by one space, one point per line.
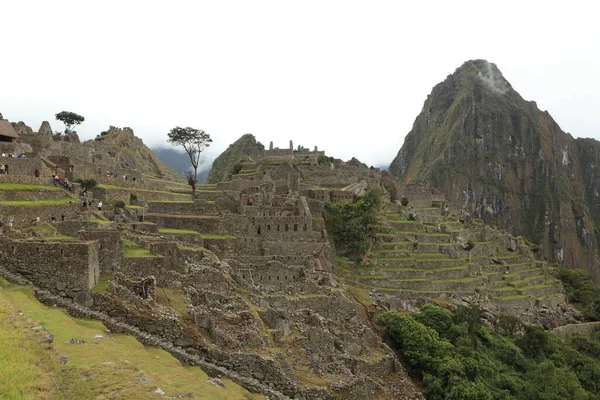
347 76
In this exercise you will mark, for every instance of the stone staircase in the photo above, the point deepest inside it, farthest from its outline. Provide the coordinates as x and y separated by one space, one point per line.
424 257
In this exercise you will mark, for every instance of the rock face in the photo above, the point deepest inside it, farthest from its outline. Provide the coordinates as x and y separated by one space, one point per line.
503 160
244 147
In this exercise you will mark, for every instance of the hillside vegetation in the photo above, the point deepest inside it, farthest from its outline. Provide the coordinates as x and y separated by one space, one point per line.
457 357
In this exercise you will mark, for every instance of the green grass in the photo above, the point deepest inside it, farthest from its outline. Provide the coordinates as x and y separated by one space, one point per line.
100 221
105 368
43 202
102 285
133 206
181 231
217 236
172 201
174 298
26 187
129 189
132 250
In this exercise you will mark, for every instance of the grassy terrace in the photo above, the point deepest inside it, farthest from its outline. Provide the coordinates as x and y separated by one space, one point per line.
42 202
180 231
106 367
132 250
100 221
133 189
217 236
26 187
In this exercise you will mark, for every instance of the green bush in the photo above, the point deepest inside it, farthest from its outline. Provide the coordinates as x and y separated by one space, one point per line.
457 357
133 199
347 223
86 184
581 291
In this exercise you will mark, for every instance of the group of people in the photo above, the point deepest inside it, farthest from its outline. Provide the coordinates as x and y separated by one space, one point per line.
59 180
8 221
11 155
88 203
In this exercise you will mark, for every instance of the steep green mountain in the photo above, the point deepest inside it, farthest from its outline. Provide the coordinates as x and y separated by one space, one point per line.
244 147
502 159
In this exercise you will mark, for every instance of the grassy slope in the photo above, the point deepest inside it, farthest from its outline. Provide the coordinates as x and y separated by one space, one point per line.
104 368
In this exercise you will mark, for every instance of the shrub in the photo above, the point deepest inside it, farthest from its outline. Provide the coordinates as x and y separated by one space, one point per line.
86 184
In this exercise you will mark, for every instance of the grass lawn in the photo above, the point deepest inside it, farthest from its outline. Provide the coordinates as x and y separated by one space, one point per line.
217 236
100 221
132 250
43 202
181 231
111 367
27 187
133 189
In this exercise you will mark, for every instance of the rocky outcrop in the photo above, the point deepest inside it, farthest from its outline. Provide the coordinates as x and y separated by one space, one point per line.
502 159
244 148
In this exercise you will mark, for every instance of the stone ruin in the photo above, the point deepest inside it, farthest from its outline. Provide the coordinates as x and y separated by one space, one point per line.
255 287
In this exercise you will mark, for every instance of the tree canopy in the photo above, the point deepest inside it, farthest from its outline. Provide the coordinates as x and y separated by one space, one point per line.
193 141
70 119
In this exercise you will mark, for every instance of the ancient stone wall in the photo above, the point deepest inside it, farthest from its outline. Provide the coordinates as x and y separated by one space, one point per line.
143 267
70 228
184 207
24 215
66 267
197 223
22 166
110 246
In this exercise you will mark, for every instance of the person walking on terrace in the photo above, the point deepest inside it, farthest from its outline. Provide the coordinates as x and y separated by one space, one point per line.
100 206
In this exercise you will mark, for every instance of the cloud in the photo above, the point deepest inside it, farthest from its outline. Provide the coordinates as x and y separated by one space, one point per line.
492 78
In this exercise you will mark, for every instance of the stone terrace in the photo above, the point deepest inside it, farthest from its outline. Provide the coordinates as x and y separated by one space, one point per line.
429 257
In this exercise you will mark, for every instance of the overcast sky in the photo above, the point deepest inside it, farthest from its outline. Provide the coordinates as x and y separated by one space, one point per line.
347 76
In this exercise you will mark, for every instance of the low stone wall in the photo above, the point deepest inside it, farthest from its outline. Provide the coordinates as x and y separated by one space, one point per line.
65 267
197 223
33 195
110 247
142 195
22 166
70 228
186 238
24 215
165 272
184 207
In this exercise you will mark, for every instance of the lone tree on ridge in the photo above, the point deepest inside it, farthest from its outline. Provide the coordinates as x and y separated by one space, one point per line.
193 141
70 119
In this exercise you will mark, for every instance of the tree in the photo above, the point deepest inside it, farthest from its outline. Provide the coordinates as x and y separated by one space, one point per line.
70 119
193 141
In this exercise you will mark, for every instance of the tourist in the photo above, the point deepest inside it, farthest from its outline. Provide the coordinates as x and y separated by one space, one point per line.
37 221
84 204
37 173
62 217
1 168
100 206
71 167
53 219
10 221
250 201
133 179
6 169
